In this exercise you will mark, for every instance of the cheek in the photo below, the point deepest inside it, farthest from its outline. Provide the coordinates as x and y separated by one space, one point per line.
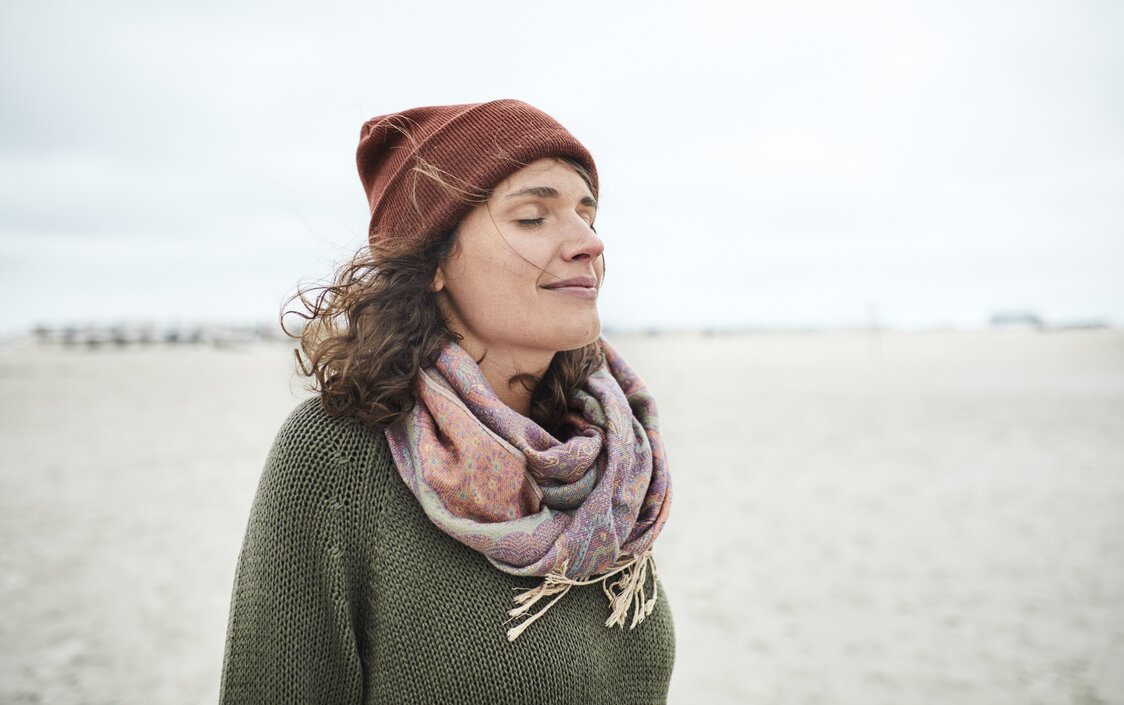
512 271
491 288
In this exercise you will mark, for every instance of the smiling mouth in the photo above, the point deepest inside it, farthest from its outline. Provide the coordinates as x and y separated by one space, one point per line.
580 287
574 282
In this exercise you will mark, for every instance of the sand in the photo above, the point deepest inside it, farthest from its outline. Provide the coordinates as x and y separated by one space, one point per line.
859 518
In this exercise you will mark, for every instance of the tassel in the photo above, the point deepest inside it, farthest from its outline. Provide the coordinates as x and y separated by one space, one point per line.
553 583
626 592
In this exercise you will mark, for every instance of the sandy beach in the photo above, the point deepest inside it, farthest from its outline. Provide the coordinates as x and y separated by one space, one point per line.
859 518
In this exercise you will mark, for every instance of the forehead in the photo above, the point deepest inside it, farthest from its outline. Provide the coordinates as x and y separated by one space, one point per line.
550 172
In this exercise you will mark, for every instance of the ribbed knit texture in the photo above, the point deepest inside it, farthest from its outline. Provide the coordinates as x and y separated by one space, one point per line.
346 593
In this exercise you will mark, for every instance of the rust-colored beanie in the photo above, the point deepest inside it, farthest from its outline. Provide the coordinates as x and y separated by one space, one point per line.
423 168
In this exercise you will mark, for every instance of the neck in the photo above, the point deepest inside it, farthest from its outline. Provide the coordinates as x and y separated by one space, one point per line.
502 370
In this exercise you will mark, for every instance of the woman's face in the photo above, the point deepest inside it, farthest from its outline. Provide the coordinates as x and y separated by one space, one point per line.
525 272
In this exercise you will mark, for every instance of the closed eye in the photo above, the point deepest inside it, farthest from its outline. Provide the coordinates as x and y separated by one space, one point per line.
530 222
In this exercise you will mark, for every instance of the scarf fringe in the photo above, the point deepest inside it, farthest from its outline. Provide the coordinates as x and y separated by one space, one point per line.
627 592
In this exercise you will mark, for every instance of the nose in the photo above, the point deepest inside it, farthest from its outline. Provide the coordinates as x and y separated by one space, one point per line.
582 243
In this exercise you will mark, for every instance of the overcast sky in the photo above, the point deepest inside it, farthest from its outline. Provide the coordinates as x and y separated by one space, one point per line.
762 164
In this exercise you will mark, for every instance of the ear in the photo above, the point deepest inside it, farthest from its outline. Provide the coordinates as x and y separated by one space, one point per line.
438 282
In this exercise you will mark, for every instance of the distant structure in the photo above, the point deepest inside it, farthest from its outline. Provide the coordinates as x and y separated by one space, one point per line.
1030 319
120 336
1082 324
1016 319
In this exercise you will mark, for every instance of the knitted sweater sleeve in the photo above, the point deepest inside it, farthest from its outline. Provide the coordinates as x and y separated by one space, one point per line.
298 596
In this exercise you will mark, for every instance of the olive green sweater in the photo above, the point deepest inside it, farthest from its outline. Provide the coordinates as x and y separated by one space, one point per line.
346 593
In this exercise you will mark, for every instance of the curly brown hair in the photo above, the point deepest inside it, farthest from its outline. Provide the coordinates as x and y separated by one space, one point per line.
367 333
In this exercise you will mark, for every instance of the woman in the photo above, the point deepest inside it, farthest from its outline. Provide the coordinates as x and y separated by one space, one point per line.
466 511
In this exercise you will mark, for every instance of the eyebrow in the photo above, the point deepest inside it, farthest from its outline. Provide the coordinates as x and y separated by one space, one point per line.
547 192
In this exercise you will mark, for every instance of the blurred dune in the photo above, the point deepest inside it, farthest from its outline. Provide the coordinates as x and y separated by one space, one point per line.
859 518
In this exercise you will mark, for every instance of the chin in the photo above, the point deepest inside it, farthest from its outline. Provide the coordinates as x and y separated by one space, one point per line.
583 337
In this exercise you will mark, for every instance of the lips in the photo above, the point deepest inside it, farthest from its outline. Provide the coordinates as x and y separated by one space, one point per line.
575 282
581 288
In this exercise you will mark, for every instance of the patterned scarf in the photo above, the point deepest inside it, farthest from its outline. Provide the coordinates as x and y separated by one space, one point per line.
577 512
